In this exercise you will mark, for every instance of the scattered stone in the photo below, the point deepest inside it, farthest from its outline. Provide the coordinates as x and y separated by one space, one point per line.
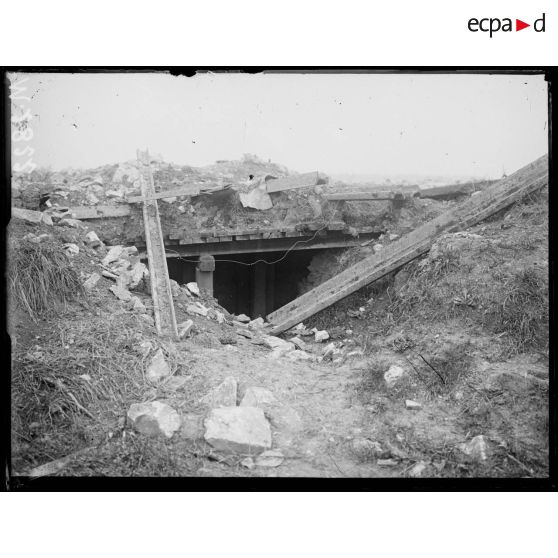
91 239
197 309
393 237
257 323
71 249
393 375
298 343
91 282
158 367
270 458
245 333
242 318
185 329
113 254
320 336
243 430
418 469
476 449
154 419
257 397
114 194
378 248
192 427
121 294
248 462
37 239
412 405
69 222
219 317
330 351
224 395
272 342
109 275
193 288
137 305
169 200
227 339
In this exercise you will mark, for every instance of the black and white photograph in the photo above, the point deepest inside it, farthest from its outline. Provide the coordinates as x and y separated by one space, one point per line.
302 274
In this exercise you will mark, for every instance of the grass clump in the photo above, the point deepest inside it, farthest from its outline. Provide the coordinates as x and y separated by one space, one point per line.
39 273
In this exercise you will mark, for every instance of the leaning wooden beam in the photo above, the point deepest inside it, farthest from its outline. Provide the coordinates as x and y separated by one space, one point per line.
292 182
451 190
467 213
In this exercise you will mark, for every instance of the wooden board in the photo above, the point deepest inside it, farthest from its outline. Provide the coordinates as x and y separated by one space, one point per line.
99 211
163 304
292 182
410 246
187 190
370 195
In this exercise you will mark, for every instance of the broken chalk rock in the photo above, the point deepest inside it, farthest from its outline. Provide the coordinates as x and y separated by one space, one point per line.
298 343
137 305
224 395
248 462
91 239
258 198
154 419
27 215
418 469
393 375
412 405
185 329
320 336
91 282
270 458
193 288
257 397
242 318
272 342
257 323
113 254
71 249
243 430
121 294
477 448
158 367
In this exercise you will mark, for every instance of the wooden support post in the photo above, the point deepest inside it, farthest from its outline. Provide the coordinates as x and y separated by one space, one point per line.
258 290
204 273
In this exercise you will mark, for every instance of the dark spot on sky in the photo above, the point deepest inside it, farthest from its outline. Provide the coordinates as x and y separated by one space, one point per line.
74 125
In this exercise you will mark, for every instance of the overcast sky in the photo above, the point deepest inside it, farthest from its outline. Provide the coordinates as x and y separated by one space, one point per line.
388 124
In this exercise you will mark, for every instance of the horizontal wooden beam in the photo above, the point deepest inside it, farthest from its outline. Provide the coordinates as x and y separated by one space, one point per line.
372 195
469 212
261 245
187 190
99 211
291 182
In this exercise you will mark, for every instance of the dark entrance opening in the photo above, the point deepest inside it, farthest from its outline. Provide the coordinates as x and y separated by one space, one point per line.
254 284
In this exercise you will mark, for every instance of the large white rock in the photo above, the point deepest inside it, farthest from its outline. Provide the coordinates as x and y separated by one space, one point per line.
242 318
412 405
154 419
193 288
185 329
197 309
258 198
257 397
243 430
224 395
158 367
27 215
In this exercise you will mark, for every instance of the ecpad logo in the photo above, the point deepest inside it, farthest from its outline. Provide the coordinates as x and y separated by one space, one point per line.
493 25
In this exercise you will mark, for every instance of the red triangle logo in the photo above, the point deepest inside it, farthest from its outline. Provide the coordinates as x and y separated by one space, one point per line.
519 25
